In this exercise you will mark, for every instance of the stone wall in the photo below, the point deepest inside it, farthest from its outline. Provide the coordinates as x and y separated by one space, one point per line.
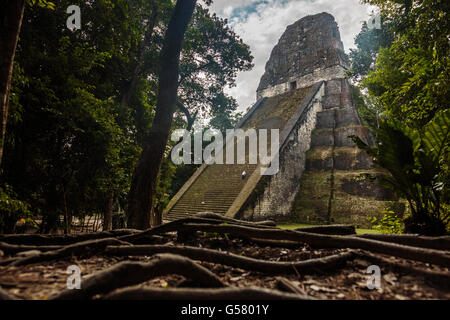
279 191
331 188
320 166
302 81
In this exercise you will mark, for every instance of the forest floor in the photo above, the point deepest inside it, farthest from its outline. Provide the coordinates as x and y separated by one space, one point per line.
45 279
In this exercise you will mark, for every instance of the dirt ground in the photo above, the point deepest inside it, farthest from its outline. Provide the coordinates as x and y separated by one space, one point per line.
43 280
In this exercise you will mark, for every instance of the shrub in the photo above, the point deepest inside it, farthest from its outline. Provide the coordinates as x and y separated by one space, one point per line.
418 163
389 223
11 210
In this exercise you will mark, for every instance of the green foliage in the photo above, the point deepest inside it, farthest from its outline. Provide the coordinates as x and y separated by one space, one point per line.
181 175
11 209
223 112
71 142
410 83
368 43
411 76
119 220
368 110
402 70
212 56
389 223
418 162
42 4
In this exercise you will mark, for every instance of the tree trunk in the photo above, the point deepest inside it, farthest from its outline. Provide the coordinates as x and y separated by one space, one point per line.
107 218
145 176
11 21
156 217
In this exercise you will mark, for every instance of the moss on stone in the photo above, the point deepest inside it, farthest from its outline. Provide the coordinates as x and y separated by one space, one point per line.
281 107
319 153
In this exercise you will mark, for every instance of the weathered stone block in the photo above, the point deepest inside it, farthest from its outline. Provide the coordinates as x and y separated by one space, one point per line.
331 101
352 183
347 158
346 117
341 135
357 211
319 158
325 119
322 137
333 87
346 100
310 211
315 185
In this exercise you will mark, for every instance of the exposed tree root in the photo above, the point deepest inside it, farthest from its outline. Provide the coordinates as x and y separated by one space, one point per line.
267 223
173 226
79 249
322 241
49 239
114 282
250 293
277 243
6 296
439 243
10 249
225 258
285 285
166 227
131 273
440 279
212 215
333 229
8 261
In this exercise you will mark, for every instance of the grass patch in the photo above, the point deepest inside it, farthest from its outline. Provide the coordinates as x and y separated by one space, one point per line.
291 226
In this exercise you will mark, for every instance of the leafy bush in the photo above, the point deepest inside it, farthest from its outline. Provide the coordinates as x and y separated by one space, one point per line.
118 220
418 161
389 223
11 210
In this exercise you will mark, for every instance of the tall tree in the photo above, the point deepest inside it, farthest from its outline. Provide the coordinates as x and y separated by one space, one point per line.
145 176
10 21
411 77
368 43
69 141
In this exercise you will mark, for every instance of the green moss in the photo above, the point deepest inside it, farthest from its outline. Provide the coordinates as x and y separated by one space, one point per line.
292 226
319 153
282 106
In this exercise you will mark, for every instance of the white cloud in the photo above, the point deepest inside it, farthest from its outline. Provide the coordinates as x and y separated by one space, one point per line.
261 24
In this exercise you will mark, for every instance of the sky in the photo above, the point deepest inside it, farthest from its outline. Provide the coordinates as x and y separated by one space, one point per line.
260 23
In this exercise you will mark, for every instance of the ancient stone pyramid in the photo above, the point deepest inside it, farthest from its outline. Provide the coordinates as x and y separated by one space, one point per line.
304 93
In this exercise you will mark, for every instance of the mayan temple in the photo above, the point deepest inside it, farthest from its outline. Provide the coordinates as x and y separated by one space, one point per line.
305 95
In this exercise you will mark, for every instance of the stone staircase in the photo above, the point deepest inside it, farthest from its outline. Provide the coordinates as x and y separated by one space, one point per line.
214 190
